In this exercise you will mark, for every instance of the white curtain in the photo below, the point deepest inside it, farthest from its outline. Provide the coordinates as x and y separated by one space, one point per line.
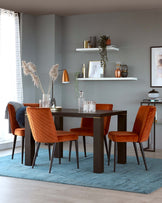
10 65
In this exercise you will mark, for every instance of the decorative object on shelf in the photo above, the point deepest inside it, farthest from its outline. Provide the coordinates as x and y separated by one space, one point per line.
93 41
80 75
124 70
85 44
156 66
108 41
153 94
103 52
84 71
95 69
80 101
117 70
30 69
89 44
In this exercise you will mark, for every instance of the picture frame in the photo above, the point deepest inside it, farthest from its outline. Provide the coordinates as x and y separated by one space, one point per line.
156 66
95 69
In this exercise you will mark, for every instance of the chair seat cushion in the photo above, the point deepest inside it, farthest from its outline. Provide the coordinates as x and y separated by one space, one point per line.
64 136
123 136
19 131
82 131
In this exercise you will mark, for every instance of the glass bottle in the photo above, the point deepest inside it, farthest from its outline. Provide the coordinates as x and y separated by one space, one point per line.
84 70
80 101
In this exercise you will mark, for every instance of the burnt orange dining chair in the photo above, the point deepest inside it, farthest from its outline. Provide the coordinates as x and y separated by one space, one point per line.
86 128
44 131
140 133
16 130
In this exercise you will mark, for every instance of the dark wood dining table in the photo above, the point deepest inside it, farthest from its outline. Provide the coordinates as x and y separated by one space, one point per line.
98 129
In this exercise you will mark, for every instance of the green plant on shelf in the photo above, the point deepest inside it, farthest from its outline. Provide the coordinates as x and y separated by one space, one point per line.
102 51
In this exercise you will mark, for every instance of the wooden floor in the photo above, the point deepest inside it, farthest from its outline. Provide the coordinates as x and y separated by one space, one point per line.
27 191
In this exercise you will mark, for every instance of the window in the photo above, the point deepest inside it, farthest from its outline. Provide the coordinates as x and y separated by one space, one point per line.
10 65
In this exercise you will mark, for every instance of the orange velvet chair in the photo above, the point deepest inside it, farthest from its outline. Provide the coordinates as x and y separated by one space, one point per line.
44 131
139 134
86 128
15 128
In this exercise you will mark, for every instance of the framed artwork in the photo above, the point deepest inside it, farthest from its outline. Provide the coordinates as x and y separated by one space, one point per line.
156 66
95 69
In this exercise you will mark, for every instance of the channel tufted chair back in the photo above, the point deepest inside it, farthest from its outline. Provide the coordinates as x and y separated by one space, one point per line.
86 128
140 133
44 131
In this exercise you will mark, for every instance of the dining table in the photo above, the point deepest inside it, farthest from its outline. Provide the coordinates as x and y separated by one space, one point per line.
98 132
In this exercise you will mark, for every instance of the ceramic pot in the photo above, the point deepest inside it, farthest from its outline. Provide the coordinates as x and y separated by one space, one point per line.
117 73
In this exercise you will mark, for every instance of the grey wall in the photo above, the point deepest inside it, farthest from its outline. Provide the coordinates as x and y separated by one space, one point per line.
42 45
56 39
28 53
133 33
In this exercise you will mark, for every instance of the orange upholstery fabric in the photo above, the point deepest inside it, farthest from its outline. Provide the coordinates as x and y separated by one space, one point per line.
141 129
19 131
143 122
123 136
83 131
86 128
43 127
15 129
31 104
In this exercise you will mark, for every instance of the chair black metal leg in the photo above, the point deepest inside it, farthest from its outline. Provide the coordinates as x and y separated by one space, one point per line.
22 150
35 155
70 146
115 149
49 151
53 151
109 152
135 149
77 156
143 155
84 145
14 144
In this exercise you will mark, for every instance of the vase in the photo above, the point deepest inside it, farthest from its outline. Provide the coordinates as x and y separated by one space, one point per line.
46 100
117 73
124 70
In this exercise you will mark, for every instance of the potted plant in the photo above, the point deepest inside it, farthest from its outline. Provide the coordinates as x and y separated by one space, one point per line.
103 42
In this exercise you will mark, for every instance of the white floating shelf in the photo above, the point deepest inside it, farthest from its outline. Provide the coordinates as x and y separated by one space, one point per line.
109 78
109 48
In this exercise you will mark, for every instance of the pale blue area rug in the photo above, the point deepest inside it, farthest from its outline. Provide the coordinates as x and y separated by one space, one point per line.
129 177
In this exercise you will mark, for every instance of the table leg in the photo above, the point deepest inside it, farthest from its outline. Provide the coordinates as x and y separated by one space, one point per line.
29 144
59 126
98 149
122 147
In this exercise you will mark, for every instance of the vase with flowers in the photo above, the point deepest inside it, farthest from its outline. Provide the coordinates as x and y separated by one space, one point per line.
30 69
